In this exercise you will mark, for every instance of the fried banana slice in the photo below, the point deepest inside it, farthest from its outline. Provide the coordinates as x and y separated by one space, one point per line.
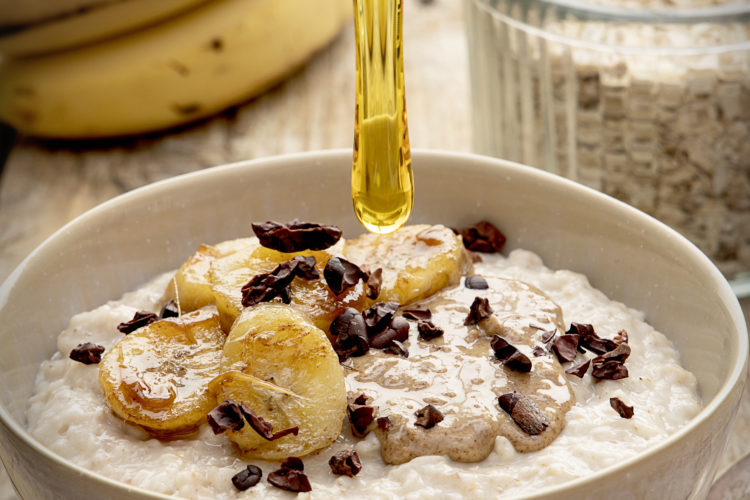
157 377
313 298
417 260
192 278
279 364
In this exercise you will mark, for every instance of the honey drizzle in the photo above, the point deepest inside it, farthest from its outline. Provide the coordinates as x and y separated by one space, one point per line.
382 180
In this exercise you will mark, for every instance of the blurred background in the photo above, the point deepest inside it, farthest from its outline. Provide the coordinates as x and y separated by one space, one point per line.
645 100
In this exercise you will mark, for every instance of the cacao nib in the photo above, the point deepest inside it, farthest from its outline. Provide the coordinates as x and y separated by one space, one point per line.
295 463
397 331
621 337
87 353
619 353
226 416
267 286
359 400
290 480
397 348
360 418
612 370
383 423
548 335
140 319
476 283
428 417
480 309
580 369
348 334
417 313
341 275
374 283
247 477
566 347
524 413
428 331
296 236
345 463
590 340
263 427
378 317
621 408
483 237
509 355
539 351
170 310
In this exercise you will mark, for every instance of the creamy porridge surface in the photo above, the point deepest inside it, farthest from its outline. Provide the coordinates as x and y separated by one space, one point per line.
69 415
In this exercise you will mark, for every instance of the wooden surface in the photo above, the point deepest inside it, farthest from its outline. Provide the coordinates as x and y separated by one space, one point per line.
42 185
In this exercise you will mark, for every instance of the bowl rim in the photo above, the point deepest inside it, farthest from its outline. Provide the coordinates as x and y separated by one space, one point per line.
723 290
593 12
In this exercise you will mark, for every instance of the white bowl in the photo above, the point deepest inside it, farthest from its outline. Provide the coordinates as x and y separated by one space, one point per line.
628 255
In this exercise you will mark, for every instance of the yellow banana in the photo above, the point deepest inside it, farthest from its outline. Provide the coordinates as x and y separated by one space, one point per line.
95 23
174 72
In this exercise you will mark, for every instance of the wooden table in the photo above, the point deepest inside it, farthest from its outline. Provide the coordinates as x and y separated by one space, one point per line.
45 185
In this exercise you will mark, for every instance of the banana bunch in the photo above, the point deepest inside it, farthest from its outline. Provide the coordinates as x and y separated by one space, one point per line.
275 358
143 66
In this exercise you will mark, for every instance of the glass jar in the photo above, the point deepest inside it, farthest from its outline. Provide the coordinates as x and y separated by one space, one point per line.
643 101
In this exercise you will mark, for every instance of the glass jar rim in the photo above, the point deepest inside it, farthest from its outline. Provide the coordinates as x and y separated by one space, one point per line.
587 11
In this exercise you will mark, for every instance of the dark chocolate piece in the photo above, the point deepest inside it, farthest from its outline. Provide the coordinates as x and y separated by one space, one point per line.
345 463
621 408
87 353
226 416
360 418
263 427
170 310
296 236
417 313
374 283
348 334
428 331
341 275
580 369
480 309
476 283
523 412
290 480
140 319
566 347
428 417
539 351
247 477
483 237
509 355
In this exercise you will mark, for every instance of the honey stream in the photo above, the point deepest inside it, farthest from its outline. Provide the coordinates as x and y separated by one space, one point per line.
382 180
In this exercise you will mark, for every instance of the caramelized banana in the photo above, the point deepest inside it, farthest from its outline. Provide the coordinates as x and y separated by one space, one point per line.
157 377
278 363
192 279
417 260
313 298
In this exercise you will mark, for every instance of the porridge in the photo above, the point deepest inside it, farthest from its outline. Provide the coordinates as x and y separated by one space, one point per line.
460 376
